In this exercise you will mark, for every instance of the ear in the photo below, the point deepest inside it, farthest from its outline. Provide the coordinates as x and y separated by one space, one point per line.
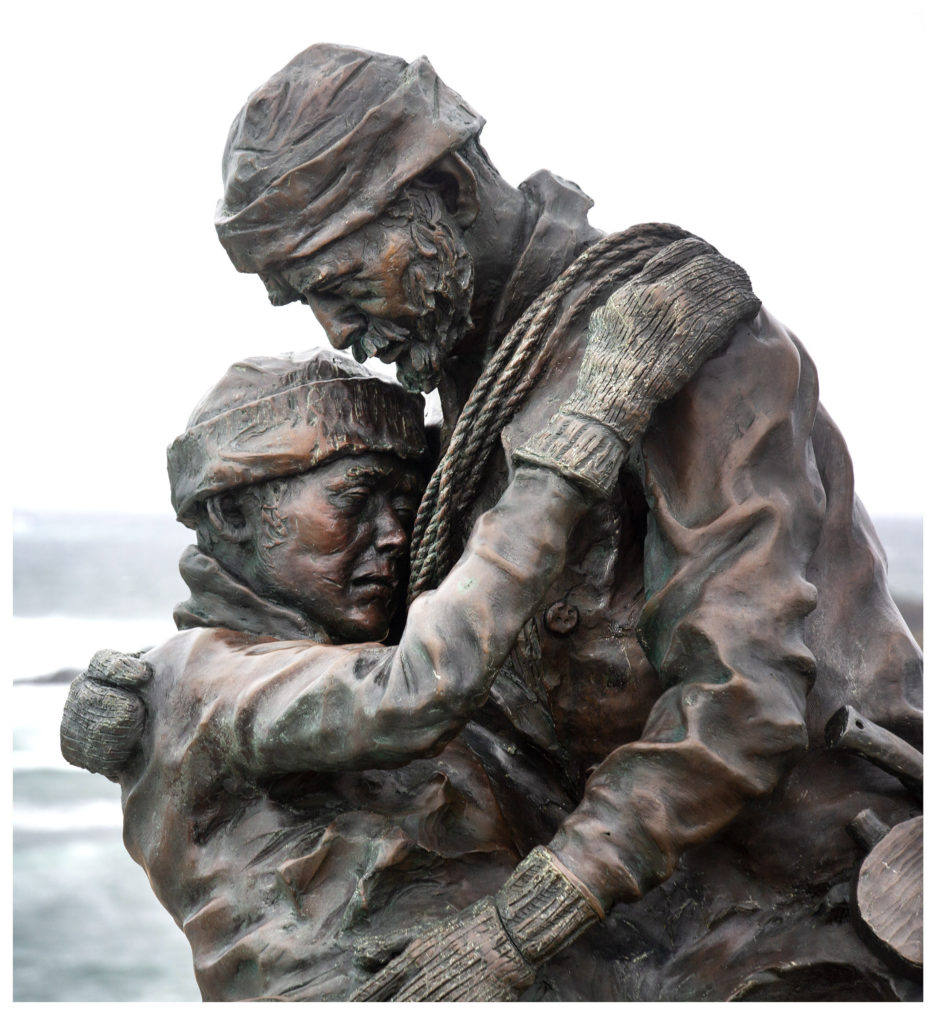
228 518
459 186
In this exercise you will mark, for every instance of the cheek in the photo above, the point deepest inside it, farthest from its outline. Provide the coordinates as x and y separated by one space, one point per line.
332 548
391 274
329 534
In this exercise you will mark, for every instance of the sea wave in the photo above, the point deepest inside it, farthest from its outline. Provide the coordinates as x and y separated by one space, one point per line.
45 758
41 646
72 819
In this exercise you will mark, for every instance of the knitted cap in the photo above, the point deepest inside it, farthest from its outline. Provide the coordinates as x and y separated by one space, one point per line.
278 416
323 147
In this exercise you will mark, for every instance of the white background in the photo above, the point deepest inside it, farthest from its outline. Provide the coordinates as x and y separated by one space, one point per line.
797 138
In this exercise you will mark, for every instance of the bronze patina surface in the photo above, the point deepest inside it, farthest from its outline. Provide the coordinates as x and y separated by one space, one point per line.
589 763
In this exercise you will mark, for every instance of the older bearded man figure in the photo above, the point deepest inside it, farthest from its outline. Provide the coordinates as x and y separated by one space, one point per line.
716 606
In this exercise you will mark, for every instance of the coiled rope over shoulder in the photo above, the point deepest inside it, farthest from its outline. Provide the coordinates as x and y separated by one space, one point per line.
503 387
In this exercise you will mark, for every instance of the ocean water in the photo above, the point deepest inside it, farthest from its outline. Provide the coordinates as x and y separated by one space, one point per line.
86 926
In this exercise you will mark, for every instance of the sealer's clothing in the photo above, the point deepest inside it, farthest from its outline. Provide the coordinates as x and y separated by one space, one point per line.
255 802
659 724
709 619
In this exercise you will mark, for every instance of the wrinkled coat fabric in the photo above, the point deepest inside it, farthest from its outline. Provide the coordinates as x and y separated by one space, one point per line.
728 599
665 741
279 801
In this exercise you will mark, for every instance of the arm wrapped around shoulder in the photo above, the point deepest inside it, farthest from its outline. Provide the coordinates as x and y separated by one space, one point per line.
643 346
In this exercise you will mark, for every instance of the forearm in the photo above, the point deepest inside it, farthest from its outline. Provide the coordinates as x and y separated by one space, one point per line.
651 800
457 636
729 542
359 707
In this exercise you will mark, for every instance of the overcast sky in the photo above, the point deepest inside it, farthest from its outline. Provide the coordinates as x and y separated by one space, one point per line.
798 139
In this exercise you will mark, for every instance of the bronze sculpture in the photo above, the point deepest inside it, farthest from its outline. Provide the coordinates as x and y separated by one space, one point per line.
674 683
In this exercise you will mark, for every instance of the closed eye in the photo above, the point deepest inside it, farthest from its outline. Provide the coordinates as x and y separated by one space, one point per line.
357 291
406 509
351 497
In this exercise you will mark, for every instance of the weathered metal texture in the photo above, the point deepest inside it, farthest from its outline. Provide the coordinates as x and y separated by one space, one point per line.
664 648
890 894
849 730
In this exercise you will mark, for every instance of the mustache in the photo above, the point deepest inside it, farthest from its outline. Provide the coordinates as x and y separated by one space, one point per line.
417 359
420 349
378 336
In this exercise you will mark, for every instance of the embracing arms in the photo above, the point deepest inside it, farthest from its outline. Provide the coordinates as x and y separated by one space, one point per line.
357 707
416 696
688 302
643 347
369 706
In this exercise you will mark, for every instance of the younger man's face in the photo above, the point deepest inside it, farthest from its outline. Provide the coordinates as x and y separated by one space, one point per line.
343 554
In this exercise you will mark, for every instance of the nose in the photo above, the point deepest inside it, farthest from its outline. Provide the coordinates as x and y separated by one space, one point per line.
390 536
341 322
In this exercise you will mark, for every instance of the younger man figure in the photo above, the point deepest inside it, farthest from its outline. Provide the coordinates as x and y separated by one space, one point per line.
281 798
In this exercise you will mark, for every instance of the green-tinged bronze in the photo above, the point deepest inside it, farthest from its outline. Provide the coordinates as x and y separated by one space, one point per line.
530 704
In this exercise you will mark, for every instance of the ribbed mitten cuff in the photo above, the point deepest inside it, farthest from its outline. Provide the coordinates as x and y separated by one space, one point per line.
579 448
543 908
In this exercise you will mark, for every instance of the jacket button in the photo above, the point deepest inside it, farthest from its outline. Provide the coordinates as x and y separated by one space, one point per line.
561 618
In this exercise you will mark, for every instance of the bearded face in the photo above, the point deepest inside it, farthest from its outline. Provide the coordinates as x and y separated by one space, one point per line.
398 289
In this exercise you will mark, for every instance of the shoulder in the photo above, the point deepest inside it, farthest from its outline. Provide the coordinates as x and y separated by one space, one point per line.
762 360
215 671
758 394
205 641
196 672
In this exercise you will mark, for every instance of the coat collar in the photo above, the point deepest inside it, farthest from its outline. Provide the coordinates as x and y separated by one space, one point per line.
219 600
559 233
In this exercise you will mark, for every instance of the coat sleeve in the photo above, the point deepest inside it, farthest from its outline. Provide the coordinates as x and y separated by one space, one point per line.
296 706
735 508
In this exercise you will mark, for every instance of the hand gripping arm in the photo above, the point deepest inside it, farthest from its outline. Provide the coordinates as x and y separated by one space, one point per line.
490 950
643 346
104 717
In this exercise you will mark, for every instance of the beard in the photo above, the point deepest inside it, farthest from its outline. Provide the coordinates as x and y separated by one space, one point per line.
439 281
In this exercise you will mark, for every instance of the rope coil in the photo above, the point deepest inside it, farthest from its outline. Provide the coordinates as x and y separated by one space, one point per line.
504 385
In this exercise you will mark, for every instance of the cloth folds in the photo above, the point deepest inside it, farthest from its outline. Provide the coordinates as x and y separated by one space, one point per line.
380 120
